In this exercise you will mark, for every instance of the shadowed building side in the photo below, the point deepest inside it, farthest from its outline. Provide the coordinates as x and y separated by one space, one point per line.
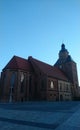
17 81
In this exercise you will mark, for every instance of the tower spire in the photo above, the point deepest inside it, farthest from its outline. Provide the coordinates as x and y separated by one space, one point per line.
63 53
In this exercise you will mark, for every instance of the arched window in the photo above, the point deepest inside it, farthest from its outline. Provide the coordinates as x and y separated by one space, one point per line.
22 77
12 82
51 84
22 83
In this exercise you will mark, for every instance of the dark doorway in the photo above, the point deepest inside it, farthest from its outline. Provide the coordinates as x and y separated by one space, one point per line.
61 97
22 99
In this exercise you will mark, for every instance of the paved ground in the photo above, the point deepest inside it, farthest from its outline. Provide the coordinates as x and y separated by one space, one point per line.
40 116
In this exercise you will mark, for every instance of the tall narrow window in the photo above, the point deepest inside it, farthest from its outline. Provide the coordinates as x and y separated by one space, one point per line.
22 77
12 82
51 84
30 82
22 83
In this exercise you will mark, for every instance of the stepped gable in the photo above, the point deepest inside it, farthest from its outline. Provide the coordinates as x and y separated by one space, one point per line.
18 63
48 69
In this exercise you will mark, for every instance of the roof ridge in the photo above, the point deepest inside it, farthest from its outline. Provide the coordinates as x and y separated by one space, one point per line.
48 69
42 62
19 57
17 62
32 59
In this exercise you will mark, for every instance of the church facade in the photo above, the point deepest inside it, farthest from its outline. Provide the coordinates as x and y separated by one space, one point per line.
33 80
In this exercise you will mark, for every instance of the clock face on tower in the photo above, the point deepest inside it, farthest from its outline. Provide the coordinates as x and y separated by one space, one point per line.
60 66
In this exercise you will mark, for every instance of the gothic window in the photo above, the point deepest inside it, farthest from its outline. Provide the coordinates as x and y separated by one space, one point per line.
22 83
22 77
52 85
12 82
30 82
22 86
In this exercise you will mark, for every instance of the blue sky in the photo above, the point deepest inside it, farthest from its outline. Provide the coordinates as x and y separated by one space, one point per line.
37 28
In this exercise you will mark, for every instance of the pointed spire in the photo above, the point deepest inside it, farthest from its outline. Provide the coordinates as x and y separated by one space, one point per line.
63 46
63 53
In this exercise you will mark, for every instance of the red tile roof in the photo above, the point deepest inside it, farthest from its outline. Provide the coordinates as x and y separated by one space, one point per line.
18 63
49 70
24 64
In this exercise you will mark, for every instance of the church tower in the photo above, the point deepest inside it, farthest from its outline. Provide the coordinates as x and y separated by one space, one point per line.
68 66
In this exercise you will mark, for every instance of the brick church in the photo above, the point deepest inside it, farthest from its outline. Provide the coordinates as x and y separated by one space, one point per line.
33 80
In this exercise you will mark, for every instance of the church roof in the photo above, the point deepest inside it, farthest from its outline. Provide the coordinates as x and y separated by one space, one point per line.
48 69
28 65
18 63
